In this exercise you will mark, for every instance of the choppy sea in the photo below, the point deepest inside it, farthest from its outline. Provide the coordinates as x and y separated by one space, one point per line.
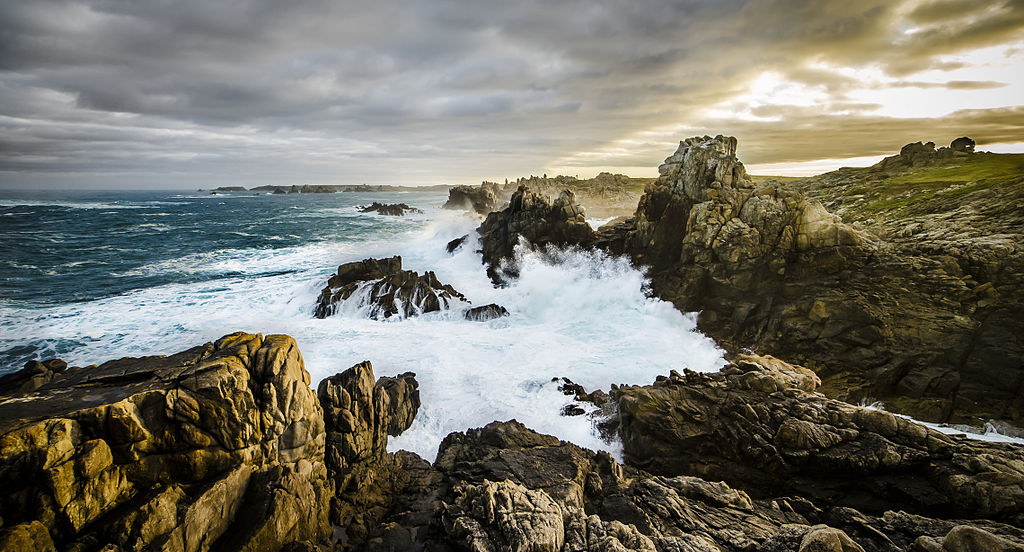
93 276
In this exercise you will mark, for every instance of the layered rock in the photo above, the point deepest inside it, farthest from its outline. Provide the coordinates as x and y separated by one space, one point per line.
879 317
218 446
534 221
383 290
920 154
760 425
390 209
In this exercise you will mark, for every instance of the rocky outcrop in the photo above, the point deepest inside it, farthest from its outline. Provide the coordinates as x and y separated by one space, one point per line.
533 220
218 446
920 154
605 195
760 426
390 209
360 413
34 375
380 288
486 312
902 320
478 199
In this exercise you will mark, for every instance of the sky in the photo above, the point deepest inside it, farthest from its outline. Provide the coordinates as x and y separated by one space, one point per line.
185 94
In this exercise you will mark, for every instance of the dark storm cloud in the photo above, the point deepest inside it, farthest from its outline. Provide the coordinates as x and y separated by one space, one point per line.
135 92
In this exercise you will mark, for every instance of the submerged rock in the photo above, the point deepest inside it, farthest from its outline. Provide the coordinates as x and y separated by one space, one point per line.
386 290
486 312
535 221
391 209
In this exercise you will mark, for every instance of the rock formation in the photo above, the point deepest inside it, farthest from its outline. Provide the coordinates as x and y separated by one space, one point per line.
390 209
479 199
486 312
384 290
535 221
912 323
225 447
605 195
760 425
222 445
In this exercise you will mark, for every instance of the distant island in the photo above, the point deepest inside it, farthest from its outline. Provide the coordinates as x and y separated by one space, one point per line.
333 188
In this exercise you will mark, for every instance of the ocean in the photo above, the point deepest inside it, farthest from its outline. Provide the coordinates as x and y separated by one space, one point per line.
93 276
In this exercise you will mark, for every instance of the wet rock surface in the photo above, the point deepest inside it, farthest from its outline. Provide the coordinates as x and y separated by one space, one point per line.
484 313
384 290
535 221
390 209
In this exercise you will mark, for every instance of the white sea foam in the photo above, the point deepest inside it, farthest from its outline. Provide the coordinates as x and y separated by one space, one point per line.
987 433
576 314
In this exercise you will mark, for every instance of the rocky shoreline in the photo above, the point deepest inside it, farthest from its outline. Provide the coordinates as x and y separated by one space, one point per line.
227 447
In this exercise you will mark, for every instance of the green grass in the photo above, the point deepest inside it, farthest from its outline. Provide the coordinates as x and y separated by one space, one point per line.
759 178
949 180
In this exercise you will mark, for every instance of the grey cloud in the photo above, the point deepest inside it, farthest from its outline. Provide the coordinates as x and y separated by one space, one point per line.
444 91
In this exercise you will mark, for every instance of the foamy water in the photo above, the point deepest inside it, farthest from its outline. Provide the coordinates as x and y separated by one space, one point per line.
580 315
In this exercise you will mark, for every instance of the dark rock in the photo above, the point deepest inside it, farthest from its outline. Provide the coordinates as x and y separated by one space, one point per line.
962 144
34 375
530 217
360 413
387 289
279 191
390 209
759 425
486 312
480 199
768 267
455 244
219 444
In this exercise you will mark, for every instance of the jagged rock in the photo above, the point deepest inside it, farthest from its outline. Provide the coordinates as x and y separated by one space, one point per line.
360 413
391 209
279 191
455 244
759 425
218 445
34 375
385 290
480 199
530 217
486 312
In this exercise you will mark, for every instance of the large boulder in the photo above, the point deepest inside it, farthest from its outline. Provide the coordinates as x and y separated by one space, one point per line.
381 289
533 220
218 446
